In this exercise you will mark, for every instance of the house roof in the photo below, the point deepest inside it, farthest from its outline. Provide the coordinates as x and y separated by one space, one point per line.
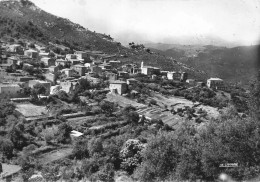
78 65
13 58
118 82
9 85
30 50
66 69
215 79
4 65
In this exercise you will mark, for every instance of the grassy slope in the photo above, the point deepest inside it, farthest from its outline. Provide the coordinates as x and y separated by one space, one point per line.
25 20
33 23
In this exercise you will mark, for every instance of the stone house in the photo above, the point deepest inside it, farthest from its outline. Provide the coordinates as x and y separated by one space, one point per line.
149 70
12 60
114 64
216 83
123 74
118 87
16 48
174 75
184 76
27 65
112 76
105 66
31 53
67 72
9 67
72 58
62 62
48 61
50 77
191 82
68 86
53 69
131 81
80 69
44 54
83 55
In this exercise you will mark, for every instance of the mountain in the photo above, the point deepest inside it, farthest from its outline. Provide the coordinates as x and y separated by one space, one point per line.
236 64
23 19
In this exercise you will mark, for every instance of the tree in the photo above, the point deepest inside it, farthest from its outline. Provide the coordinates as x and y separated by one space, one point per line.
95 146
6 147
1 168
64 133
84 84
17 136
107 107
26 91
28 69
160 158
131 155
132 117
39 89
80 149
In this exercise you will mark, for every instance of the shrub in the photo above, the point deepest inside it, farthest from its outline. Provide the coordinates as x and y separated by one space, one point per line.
80 149
159 158
95 146
6 147
131 155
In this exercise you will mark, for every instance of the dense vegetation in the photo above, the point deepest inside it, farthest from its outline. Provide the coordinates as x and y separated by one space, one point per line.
116 139
237 64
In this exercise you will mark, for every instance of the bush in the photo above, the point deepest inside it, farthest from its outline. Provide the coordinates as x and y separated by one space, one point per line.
132 117
95 146
80 149
6 147
159 159
64 133
131 155
49 134
153 102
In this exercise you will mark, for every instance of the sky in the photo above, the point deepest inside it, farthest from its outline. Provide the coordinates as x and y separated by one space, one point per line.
164 20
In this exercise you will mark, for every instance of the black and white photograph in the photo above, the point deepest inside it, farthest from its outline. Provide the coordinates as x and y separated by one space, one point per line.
129 90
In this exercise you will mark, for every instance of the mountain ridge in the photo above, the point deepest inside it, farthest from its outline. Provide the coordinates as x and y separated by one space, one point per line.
29 21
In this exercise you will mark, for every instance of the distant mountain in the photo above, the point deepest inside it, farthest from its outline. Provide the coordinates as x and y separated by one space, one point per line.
22 19
237 64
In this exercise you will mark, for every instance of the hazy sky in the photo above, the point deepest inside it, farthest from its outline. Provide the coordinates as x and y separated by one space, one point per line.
160 20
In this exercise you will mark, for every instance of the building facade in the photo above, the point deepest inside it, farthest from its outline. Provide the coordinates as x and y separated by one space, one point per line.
118 87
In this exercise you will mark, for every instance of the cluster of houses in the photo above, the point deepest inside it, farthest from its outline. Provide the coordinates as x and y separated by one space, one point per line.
62 72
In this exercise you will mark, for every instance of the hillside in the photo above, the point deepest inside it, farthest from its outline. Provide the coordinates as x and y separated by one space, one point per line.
22 19
237 64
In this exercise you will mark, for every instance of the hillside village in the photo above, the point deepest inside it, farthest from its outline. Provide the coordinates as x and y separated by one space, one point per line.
94 110
46 86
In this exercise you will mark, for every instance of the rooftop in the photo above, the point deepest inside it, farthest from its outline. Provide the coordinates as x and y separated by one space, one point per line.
118 82
215 79
5 64
61 60
78 65
9 85
31 50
